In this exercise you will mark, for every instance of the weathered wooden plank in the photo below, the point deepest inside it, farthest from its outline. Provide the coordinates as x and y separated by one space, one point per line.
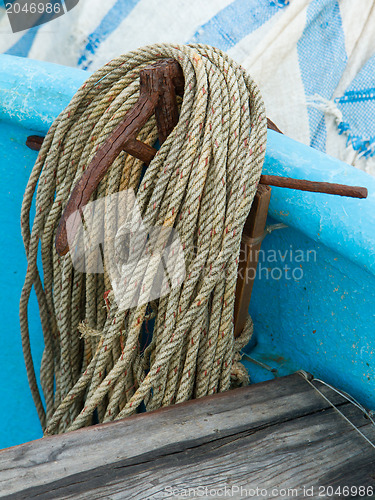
283 461
181 436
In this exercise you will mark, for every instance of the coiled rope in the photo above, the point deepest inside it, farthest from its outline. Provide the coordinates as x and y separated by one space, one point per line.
202 183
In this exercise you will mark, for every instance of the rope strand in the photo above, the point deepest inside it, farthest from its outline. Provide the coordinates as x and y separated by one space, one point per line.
201 183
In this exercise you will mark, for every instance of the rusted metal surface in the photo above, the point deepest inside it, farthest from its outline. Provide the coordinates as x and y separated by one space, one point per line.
273 126
34 142
159 85
315 187
146 154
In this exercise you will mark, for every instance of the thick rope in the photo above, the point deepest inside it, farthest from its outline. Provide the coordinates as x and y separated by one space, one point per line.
202 183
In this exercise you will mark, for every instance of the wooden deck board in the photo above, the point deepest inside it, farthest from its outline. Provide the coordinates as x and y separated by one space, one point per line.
279 434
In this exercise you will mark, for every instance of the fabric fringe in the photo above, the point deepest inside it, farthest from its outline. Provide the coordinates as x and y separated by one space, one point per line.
365 146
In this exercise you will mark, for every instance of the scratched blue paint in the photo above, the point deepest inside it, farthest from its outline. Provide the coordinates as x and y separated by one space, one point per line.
323 322
18 417
34 93
345 225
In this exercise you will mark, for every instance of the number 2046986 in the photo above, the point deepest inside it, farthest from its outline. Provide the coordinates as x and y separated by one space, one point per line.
34 8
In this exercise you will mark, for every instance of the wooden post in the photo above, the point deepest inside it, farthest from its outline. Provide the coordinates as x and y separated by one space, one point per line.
254 229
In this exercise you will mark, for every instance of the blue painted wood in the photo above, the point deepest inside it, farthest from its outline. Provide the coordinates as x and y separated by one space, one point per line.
33 93
321 320
345 225
319 314
19 421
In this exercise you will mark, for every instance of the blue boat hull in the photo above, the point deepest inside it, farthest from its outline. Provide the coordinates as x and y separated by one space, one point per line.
313 301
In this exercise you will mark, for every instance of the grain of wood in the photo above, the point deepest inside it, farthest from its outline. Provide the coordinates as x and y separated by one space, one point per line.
279 434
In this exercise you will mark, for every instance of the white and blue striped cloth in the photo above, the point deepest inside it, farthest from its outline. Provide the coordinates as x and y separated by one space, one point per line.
313 59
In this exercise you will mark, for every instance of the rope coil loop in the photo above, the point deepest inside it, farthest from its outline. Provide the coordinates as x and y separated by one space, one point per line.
201 183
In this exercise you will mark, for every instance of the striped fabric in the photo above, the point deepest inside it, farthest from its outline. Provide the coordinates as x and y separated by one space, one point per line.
314 59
